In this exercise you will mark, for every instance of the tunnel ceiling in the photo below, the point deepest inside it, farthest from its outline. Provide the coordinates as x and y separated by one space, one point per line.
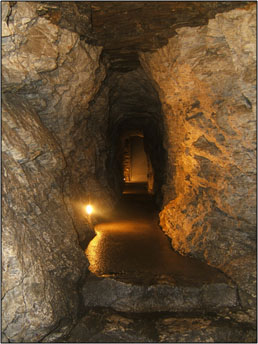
124 28
132 96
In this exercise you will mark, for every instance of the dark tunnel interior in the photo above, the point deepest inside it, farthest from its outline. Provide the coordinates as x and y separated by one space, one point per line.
135 109
129 171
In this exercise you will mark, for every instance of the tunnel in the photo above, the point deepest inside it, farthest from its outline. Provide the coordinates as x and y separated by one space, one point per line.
135 111
128 171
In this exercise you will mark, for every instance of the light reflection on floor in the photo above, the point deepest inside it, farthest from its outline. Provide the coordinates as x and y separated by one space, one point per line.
131 243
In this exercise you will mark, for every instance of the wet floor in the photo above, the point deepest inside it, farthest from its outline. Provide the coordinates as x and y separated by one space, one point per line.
130 245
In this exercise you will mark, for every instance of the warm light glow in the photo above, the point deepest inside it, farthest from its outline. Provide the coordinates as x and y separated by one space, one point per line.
89 209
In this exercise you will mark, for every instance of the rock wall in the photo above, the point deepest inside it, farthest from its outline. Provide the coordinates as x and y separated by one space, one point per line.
87 177
42 260
55 152
206 81
58 74
49 77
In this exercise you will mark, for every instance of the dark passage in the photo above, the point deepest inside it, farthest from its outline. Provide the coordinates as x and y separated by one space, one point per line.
116 113
131 246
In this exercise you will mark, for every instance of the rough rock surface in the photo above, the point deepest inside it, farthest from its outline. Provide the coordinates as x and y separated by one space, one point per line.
203 330
58 74
56 137
159 297
42 260
107 326
48 79
205 77
144 26
87 179
124 28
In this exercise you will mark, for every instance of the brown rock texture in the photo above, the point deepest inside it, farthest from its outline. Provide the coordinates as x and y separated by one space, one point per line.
58 74
78 78
114 327
42 260
49 77
124 28
206 81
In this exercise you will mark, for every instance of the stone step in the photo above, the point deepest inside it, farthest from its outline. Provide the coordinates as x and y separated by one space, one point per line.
162 296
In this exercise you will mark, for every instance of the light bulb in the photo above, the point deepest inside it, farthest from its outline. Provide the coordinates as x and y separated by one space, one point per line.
89 209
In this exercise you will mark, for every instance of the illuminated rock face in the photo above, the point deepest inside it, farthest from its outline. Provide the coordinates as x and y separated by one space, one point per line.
63 112
206 81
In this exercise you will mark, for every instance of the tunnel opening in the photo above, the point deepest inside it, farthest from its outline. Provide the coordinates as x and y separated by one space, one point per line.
135 111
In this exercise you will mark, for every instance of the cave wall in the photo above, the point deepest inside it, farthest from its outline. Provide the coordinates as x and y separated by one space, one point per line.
58 74
49 77
55 141
206 79
41 258
87 181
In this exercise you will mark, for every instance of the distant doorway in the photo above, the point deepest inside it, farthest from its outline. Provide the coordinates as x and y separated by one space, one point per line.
135 161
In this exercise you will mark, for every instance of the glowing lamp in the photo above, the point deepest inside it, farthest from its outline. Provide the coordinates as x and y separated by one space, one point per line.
89 209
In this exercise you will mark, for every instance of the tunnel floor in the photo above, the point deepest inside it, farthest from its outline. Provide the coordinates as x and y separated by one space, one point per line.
130 246
140 290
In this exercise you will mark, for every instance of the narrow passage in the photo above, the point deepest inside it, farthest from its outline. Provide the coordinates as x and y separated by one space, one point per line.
131 246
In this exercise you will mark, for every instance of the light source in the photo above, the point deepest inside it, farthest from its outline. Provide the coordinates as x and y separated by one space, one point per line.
89 209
